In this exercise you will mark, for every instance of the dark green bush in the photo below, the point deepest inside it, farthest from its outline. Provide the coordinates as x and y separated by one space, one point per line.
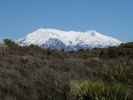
10 43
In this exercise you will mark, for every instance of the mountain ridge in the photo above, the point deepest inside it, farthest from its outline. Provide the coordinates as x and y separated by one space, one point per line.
68 40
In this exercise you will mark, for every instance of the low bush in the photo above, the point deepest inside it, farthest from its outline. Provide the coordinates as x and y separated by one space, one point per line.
97 90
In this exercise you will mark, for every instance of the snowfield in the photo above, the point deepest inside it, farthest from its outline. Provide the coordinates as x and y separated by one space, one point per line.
68 40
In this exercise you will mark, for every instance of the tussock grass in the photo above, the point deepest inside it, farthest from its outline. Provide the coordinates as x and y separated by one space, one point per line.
98 90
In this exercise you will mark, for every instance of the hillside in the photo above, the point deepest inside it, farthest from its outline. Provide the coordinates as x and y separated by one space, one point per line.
33 73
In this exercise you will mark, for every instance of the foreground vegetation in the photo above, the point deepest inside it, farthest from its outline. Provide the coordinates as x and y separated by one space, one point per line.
33 73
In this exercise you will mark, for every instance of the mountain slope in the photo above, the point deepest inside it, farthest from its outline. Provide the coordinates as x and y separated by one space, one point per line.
68 40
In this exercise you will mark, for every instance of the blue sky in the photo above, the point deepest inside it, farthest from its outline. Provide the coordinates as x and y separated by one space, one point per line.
112 17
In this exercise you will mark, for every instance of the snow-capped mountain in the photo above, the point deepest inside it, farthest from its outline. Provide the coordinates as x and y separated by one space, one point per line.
68 40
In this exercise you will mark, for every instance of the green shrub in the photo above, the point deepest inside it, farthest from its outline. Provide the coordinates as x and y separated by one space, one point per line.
9 43
89 90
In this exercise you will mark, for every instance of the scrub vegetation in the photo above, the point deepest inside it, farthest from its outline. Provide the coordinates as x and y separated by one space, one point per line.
34 73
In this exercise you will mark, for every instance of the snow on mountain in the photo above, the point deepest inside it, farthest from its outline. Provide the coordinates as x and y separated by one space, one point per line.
69 40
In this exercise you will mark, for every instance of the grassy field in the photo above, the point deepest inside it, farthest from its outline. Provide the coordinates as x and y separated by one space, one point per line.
33 73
